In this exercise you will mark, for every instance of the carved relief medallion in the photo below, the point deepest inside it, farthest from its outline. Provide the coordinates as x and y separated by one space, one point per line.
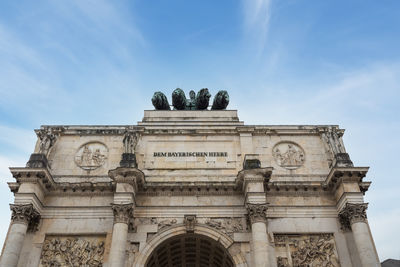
293 250
91 155
288 155
72 251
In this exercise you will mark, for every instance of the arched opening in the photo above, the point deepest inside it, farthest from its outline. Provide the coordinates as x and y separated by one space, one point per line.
190 250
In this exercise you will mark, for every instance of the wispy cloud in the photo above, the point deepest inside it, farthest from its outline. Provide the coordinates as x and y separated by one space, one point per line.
18 140
257 14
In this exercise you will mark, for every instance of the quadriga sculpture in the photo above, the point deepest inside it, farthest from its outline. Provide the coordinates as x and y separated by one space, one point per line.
160 101
202 99
221 100
196 102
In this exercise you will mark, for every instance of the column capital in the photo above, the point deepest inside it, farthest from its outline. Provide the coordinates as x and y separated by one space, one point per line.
26 214
122 212
127 175
353 213
257 212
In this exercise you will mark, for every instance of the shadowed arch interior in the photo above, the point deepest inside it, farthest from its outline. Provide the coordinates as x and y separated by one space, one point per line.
190 250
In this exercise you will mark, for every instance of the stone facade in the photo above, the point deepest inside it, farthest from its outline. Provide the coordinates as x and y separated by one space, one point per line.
189 188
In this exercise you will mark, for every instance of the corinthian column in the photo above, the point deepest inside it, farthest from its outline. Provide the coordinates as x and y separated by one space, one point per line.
122 214
22 216
354 217
259 245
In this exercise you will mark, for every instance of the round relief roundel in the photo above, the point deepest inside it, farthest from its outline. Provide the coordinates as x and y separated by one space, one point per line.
91 155
288 155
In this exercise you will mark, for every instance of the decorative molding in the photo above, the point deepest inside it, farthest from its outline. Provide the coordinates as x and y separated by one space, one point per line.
257 212
103 131
123 213
338 175
91 155
352 213
72 251
294 250
288 155
26 214
166 223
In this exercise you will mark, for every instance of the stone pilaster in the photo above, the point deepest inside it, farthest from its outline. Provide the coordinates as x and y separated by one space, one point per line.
123 213
23 216
354 217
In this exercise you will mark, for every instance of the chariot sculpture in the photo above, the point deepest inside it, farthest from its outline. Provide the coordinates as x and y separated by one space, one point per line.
195 102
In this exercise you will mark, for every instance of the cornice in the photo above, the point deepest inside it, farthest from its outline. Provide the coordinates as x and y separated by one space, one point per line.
192 129
41 176
339 175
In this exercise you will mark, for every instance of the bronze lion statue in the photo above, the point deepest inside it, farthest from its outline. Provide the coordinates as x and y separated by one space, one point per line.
202 99
221 100
160 101
179 99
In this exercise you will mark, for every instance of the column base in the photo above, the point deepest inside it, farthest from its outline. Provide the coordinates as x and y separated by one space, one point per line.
343 160
128 160
37 160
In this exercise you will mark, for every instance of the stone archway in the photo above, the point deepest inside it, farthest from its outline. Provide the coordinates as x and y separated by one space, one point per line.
163 246
190 250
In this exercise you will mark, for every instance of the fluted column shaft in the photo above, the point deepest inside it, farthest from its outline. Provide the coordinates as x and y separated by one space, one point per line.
354 217
122 215
22 216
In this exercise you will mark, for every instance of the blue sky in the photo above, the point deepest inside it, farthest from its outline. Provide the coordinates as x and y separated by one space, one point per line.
282 61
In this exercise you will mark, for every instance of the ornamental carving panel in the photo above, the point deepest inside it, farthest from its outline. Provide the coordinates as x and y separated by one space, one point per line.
227 225
307 250
91 155
288 155
72 251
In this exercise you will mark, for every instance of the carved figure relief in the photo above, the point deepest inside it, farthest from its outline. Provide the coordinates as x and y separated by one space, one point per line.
91 155
146 220
130 141
288 155
306 250
165 223
72 251
332 138
226 225
47 138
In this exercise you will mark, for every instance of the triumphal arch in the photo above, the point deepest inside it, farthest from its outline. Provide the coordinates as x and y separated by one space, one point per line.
190 185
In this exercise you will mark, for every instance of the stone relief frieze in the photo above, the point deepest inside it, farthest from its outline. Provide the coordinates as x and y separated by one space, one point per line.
227 225
91 155
288 155
165 223
72 251
146 220
293 250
